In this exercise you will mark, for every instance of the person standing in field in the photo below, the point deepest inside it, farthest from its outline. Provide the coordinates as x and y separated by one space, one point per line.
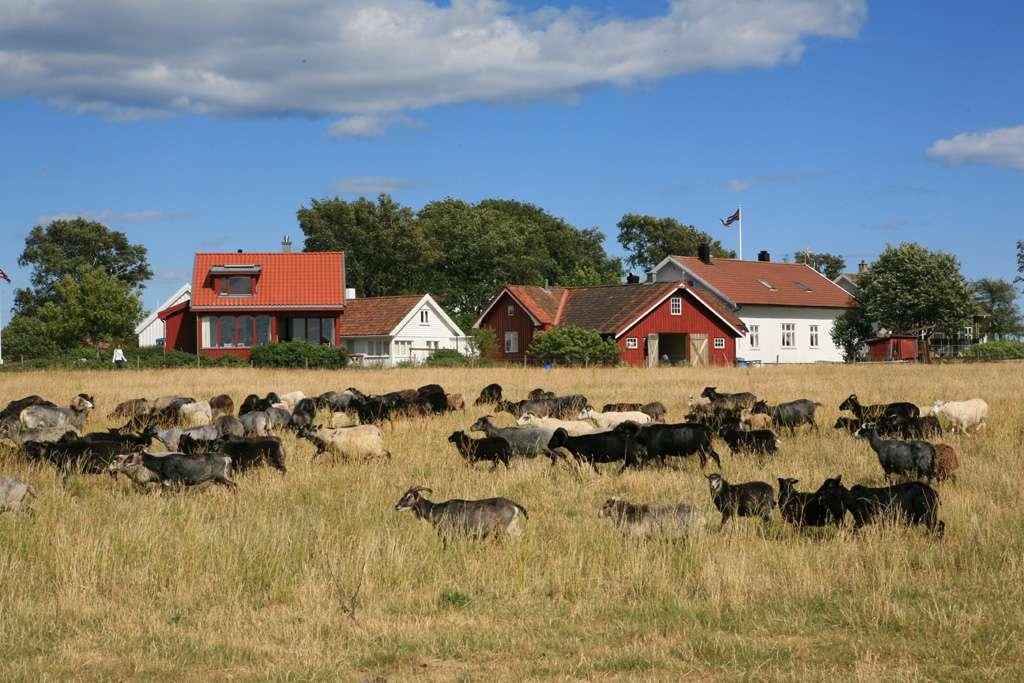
119 358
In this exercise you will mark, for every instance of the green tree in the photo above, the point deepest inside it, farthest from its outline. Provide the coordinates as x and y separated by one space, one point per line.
573 346
998 299
910 288
649 240
849 331
1020 262
64 247
483 341
829 265
385 249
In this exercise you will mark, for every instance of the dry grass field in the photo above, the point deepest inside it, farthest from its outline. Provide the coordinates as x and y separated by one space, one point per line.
313 576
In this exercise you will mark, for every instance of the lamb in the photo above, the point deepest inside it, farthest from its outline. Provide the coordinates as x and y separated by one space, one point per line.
455 402
73 415
572 427
491 448
900 457
525 441
608 421
477 519
761 441
647 521
15 495
364 441
750 499
823 507
755 421
221 404
489 394
963 415
195 414
946 462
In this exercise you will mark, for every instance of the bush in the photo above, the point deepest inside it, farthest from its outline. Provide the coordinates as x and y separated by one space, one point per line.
447 358
298 354
998 350
573 346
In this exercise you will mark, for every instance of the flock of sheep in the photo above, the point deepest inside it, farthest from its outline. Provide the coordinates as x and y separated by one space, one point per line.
207 443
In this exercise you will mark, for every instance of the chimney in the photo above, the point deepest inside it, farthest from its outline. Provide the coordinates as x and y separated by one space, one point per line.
239 251
862 266
286 244
547 285
764 256
704 253
632 279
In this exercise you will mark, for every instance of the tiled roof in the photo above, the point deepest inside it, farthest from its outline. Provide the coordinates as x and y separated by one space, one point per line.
376 315
299 280
609 309
744 283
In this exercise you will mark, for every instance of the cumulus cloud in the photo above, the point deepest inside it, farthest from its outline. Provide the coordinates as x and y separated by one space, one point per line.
744 184
371 185
1000 147
365 58
108 216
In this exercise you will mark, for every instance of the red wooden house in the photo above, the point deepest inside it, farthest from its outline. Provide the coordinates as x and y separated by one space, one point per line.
244 299
652 323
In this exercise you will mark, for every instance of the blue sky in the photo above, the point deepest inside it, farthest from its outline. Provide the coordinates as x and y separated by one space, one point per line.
839 125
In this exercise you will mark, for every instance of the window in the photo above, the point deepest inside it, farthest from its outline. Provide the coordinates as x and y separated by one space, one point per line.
675 305
313 330
376 347
767 284
969 332
631 343
424 317
245 330
719 342
788 335
814 336
262 329
236 285
801 285
511 311
754 336
227 325
511 342
433 345
234 332
403 347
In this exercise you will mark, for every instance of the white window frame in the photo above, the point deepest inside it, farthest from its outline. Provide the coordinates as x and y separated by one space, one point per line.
632 343
814 336
675 305
403 348
754 336
719 342
789 332
511 310
424 316
513 337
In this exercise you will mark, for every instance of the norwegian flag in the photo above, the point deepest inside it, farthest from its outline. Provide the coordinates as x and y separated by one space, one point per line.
3 276
727 222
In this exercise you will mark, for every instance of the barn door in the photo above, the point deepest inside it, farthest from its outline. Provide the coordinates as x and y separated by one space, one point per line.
699 350
652 350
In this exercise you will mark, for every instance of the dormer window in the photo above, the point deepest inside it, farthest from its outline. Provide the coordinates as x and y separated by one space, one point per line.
767 284
236 285
802 286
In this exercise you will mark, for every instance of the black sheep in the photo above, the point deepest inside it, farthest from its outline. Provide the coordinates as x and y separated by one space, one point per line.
761 441
822 507
789 415
493 449
750 499
489 394
850 424
900 457
908 503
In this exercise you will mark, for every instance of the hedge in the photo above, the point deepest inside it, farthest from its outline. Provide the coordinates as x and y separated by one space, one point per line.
298 354
997 350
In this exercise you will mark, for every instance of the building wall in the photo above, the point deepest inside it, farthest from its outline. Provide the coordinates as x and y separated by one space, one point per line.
277 322
434 330
180 331
499 321
149 334
694 319
769 320
896 348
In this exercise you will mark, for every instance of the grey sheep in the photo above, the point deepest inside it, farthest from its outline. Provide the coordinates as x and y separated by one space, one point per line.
15 495
478 519
648 521
900 457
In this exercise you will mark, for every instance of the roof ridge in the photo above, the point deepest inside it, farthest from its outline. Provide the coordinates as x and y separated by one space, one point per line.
561 305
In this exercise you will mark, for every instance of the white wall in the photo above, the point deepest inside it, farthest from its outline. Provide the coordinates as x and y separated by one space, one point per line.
151 332
434 330
769 320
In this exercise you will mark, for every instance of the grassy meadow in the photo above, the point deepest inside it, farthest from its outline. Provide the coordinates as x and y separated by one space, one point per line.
313 576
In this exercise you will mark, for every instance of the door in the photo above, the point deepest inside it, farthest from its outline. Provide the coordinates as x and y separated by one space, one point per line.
652 350
699 350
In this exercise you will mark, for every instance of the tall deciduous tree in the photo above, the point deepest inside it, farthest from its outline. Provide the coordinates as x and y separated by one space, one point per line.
649 240
829 265
998 299
62 248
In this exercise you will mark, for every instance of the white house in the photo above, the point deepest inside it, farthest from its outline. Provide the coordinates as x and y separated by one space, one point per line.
151 329
387 330
788 309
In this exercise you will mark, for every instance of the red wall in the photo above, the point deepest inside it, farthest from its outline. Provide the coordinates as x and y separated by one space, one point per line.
183 333
695 318
180 331
903 348
500 321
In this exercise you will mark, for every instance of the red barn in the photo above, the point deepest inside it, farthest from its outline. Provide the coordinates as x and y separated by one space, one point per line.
898 347
651 322
244 299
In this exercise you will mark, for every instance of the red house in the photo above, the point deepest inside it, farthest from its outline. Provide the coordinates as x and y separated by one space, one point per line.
897 347
651 322
244 299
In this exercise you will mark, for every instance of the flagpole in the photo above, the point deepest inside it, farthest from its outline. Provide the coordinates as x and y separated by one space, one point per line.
741 232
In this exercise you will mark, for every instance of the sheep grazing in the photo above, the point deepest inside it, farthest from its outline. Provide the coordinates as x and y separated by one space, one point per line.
750 499
909 427
608 421
823 507
477 519
540 395
736 402
253 403
364 441
195 414
255 423
278 418
304 414
493 449
649 521
74 415
291 399
850 424
571 427
755 421
221 404
455 402
874 412
488 395
760 441
525 441
130 410
15 495
963 415
946 462
229 426
908 503
900 457
789 415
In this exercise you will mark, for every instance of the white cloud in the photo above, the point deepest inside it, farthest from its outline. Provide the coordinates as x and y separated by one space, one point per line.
744 184
1000 147
371 185
108 216
366 58
368 125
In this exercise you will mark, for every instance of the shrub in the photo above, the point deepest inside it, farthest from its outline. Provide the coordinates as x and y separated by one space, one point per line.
298 354
997 350
573 346
483 341
447 358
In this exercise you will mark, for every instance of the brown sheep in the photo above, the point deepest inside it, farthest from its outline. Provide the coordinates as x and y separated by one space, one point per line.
455 402
946 461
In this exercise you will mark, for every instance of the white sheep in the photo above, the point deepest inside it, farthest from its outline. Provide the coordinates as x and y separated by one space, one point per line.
364 441
963 415
572 427
196 414
291 399
38 417
611 420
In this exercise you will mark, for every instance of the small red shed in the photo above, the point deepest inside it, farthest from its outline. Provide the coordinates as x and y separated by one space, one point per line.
897 347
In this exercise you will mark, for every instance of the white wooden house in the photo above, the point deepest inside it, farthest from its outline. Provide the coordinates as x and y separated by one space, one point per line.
388 330
151 329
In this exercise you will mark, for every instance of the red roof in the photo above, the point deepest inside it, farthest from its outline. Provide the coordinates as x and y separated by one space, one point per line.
300 280
609 309
767 283
376 315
